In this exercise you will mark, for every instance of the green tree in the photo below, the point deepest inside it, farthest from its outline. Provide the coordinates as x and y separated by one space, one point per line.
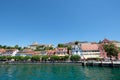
69 47
75 58
8 47
76 42
9 57
63 58
119 49
66 57
61 45
48 48
54 58
45 58
2 58
5 47
35 58
16 46
51 48
1 46
111 50
40 48
18 58
26 58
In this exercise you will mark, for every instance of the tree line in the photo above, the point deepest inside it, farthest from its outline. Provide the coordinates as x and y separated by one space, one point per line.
40 58
11 47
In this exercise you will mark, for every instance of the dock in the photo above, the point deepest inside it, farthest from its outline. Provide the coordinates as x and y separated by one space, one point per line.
101 63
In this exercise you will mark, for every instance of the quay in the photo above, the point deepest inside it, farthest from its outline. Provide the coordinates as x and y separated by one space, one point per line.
101 63
82 63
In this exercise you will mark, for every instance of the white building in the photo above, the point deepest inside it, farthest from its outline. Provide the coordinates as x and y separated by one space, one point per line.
10 52
25 52
76 50
36 44
33 46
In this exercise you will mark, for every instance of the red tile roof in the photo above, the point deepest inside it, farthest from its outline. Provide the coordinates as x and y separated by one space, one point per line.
89 46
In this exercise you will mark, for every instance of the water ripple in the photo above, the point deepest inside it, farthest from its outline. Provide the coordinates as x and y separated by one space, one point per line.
57 72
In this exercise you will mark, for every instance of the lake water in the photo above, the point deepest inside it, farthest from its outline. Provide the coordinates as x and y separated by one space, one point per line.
57 72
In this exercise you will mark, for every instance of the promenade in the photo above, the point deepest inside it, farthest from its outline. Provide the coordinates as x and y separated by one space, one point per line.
101 63
82 63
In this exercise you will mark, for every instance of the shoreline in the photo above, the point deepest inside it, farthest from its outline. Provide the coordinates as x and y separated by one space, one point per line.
37 62
81 63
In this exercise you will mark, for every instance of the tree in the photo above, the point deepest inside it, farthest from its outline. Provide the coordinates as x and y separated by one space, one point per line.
118 50
75 58
9 58
64 58
2 58
8 47
69 47
36 58
48 48
5 47
76 42
18 58
111 50
16 46
45 58
54 58
26 58
1 46
40 48
61 45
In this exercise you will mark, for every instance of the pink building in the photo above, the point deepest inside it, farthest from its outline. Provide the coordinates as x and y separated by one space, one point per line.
2 51
50 52
61 51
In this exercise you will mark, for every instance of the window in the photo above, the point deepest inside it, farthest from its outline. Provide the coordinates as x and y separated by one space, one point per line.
76 51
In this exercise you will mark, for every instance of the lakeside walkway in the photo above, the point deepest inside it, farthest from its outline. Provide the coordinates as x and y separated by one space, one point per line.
82 63
101 63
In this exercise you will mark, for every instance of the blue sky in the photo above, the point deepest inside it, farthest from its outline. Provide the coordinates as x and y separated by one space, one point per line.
58 21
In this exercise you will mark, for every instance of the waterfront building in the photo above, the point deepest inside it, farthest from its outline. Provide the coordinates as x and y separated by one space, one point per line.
76 50
103 54
51 52
10 52
43 52
90 51
25 52
61 51
2 51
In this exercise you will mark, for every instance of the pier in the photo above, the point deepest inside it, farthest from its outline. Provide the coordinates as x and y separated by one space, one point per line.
101 63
